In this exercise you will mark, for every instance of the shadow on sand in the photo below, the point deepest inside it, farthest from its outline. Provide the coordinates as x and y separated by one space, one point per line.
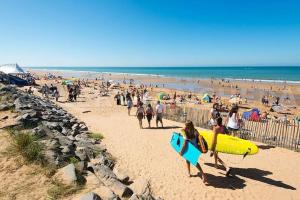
165 127
257 175
224 182
264 147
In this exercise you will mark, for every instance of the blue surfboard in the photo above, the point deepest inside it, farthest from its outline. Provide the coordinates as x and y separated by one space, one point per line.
191 153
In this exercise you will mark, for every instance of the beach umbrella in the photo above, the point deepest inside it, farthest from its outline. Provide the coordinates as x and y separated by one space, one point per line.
67 82
161 95
206 98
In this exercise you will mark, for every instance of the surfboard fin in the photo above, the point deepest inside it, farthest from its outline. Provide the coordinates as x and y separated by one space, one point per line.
246 153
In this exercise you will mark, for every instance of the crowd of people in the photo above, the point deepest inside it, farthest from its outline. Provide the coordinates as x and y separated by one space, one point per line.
73 91
144 110
52 91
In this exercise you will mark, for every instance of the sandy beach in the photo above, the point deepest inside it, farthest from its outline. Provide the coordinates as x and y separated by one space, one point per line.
149 100
253 91
271 174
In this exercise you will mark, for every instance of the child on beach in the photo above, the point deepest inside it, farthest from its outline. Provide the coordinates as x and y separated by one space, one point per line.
149 114
192 135
218 129
140 113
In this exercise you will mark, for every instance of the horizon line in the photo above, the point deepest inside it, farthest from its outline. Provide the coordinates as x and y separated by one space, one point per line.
148 66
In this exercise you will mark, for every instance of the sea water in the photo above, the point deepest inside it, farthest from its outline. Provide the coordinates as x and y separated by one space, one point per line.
257 73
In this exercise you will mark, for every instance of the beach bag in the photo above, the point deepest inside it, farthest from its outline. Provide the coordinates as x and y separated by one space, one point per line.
202 144
203 147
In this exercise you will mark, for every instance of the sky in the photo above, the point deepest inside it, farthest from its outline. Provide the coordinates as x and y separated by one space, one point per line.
149 32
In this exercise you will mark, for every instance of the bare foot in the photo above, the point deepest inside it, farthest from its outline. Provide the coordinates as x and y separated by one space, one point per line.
228 171
204 179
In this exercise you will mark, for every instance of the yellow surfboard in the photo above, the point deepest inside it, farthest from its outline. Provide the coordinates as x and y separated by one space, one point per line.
229 144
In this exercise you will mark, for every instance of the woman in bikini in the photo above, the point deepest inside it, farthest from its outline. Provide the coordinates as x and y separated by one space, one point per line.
218 129
191 134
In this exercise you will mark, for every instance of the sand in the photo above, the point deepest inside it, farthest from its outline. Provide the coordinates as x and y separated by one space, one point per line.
271 174
19 181
253 91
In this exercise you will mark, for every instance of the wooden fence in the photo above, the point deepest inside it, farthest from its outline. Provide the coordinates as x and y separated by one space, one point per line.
269 132
274 133
199 117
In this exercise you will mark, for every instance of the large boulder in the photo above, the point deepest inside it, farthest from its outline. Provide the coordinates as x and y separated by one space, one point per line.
67 174
141 186
106 175
106 193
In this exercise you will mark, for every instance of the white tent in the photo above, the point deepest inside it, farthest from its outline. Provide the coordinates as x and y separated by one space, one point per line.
11 69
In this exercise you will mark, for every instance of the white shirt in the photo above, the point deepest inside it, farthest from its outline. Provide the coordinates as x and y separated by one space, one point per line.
159 108
232 122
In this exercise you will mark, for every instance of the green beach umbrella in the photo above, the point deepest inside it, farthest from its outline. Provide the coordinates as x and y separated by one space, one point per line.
161 95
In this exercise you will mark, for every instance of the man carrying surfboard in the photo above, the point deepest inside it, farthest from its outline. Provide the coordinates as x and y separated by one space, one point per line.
190 134
218 129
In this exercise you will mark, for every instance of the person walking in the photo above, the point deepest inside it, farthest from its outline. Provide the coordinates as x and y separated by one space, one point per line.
140 113
149 114
233 121
118 98
219 128
190 134
159 114
129 104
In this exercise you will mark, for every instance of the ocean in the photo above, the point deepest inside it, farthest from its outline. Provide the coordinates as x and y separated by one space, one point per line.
258 73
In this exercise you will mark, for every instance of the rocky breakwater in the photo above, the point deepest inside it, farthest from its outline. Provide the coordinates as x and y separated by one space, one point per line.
65 139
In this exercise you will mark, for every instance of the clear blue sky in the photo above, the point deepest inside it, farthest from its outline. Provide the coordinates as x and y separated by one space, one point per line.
149 33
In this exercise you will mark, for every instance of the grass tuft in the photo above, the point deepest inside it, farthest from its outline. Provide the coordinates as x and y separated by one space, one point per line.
26 145
73 160
60 190
96 136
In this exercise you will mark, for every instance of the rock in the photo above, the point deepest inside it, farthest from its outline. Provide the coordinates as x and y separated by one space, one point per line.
39 132
52 125
51 143
141 197
63 140
4 107
80 166
141 186
83 127
102 159
120 175
92 181
75 127
81 153
54 158
73 120
106 193
90 196
105 174
65 149
67 174
71 137
64 131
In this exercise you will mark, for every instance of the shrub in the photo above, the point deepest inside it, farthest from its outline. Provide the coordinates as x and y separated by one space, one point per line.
28 146
96 136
